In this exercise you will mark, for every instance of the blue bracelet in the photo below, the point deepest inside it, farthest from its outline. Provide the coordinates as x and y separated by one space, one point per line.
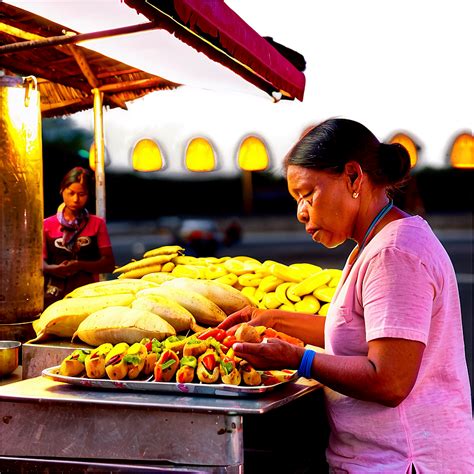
304 370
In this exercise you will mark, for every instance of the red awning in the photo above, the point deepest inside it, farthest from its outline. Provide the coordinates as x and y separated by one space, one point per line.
227 40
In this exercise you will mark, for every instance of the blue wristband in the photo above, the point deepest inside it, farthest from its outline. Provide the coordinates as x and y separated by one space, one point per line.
304 370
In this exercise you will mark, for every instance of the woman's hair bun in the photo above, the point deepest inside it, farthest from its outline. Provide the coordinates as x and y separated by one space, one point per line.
394 162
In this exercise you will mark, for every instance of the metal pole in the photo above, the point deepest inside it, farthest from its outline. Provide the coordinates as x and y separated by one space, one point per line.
99 153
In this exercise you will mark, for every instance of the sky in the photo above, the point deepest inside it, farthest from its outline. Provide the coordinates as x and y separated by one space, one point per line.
401 65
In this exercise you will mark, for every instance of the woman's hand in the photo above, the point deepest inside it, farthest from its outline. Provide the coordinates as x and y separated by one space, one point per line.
64 269
271 354
249 314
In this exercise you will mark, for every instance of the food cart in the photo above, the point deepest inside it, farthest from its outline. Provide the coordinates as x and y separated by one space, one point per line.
51 426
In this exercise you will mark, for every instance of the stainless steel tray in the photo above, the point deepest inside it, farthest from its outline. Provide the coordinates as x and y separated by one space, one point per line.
167 387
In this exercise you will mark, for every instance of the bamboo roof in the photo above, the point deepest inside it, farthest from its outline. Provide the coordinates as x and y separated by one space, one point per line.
67 73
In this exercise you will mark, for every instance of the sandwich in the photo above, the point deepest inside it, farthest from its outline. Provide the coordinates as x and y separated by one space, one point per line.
166 367
185 373
73 364
95 361
135 358
115 366
208 367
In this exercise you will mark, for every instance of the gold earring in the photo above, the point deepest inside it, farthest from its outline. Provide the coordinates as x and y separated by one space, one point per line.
355 195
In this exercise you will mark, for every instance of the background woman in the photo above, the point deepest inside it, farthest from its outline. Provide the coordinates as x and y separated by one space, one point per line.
394 370
76 244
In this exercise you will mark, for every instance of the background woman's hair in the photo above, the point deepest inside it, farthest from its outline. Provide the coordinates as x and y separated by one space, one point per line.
78 175
334 142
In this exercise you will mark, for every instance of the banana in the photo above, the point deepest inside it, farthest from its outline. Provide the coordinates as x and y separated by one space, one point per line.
229 279
323 311
157 277
140 272
259 294
171 311
309 284
167 267
145 262
63 317
324 293
236 266
249 279
285 273
249 293
336 276
280 293
287 307
271 301
306 269
164 250
116 324
188 271
290 295
309 304
269 283
214 270
185 260
203 309
224 296
110 287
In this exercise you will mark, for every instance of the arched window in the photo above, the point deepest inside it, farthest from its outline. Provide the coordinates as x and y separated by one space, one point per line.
462 151
147 156
200 156
252 154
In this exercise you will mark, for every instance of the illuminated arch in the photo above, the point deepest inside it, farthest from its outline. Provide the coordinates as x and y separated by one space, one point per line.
462 151
252 154
409 144
147 156
200 156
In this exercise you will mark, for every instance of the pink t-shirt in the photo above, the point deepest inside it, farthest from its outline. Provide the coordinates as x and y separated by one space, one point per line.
402 285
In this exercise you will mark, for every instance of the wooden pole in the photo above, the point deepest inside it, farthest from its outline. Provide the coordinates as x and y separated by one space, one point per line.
99 153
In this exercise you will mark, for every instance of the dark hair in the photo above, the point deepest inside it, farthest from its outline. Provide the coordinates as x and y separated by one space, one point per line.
78 175
334 142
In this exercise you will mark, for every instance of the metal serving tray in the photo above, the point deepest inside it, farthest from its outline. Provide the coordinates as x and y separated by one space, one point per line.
149 385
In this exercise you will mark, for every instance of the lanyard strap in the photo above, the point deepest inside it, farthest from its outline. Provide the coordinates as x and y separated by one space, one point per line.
376 220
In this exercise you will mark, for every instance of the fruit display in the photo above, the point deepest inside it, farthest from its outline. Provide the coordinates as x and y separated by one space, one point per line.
167 293
204 357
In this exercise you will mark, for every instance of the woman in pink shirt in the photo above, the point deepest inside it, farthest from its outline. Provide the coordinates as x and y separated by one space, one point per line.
76 244
394 370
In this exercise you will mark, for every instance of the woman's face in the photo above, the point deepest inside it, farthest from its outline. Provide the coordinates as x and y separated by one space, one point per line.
324 204
75 197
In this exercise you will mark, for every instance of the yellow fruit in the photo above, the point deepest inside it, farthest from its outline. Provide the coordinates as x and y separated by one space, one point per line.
280 292
249 293
215 271
271 301
63 317
324 293
116 324
171 311
285 273
140 272
164 250
145 262
336 276
290 295
204 310
224 296
111 287
188 271
249 279
309 284
167 267
229 279
185 260
157 277
306 269
309 304
269 283
323 311
287 307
